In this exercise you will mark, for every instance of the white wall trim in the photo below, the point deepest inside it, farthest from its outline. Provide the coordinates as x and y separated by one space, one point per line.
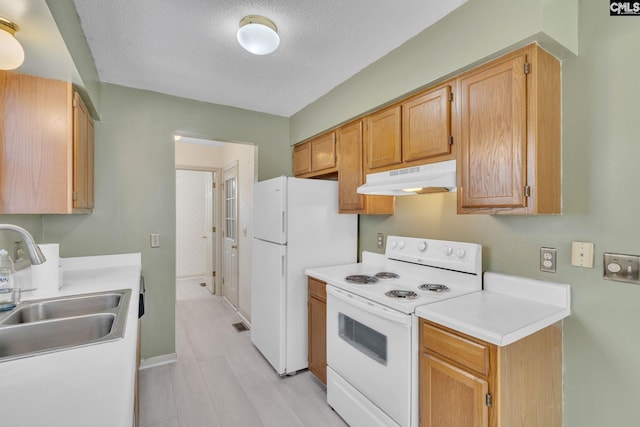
164 359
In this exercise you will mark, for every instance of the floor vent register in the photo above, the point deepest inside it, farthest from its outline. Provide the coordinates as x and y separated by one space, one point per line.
240 327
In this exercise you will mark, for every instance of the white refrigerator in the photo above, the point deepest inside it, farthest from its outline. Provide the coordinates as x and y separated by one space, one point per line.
296 225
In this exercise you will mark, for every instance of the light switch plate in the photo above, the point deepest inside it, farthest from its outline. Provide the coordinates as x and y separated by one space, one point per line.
622 268
582 254
380 241
155 240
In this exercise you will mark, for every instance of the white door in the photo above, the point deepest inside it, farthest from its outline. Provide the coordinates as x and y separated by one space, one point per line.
230 241
194 244
208 236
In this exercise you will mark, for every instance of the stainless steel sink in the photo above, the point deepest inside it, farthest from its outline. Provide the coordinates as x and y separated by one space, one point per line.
56 324
63 307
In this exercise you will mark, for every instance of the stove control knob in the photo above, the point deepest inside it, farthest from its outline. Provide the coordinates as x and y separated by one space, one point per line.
447 250
460 253
393 244
422 246
401 244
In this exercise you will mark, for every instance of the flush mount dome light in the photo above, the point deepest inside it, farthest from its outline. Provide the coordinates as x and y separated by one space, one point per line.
258 35
11 52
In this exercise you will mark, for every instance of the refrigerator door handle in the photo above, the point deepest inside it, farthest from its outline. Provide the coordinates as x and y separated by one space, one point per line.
282 265
283 223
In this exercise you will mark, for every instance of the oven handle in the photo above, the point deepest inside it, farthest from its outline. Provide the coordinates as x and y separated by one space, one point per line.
369 307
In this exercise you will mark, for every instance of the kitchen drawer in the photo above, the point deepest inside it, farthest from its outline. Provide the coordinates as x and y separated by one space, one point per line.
469 354
317 289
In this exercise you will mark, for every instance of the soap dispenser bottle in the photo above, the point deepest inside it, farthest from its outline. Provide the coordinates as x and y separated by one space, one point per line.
9 295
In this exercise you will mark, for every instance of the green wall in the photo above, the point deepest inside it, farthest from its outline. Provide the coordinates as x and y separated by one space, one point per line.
135 188
600 149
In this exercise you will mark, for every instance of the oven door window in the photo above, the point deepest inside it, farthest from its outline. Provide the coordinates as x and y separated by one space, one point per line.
366 340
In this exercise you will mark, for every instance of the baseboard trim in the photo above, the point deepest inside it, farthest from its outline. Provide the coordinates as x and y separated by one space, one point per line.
164 359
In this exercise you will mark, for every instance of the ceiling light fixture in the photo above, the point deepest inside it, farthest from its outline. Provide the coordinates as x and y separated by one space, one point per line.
11 52
258 35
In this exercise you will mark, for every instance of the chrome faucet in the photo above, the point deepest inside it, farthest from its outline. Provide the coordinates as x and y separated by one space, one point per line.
35 254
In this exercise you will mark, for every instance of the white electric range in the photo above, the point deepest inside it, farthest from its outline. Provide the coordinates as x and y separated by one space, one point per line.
372 333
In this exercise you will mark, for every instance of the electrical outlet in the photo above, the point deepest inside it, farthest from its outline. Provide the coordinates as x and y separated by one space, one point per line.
548 260
380 240
155 240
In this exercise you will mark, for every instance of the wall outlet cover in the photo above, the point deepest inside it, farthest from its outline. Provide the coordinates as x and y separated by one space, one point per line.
548 260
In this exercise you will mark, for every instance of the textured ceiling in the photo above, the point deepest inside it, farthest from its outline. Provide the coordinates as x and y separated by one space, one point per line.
188 48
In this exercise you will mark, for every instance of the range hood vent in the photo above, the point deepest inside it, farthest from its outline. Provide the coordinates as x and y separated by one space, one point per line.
434 177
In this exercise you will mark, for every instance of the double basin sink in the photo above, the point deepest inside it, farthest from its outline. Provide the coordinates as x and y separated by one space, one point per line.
55 324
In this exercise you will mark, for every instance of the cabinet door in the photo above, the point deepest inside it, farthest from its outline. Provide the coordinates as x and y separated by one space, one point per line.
426 125
317 330
82 155
302 159
35 144
323 152
383 145
494 135
350 174
450 396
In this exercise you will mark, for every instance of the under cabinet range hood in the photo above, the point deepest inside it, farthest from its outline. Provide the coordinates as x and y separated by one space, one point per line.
430 178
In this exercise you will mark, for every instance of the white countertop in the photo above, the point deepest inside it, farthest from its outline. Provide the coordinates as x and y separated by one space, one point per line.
86 386
510 308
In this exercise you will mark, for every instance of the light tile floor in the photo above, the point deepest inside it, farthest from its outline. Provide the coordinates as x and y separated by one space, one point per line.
220 379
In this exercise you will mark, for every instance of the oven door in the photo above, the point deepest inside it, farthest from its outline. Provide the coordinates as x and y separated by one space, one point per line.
369 346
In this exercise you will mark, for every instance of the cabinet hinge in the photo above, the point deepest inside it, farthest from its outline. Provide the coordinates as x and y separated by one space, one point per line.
527 191
75 102
75 195
213 229
450 139
526 68
450 96
213 185
213 274
488 399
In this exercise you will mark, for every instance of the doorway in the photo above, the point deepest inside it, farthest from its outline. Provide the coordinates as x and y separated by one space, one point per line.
210 155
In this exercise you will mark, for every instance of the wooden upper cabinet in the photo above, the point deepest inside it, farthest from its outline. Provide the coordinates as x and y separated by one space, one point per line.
83 147
383 140
316 157
426 125
351 175
509 161
323 152
37 147
302 159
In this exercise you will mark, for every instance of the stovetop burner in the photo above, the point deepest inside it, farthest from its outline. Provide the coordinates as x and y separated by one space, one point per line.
402 294
434 287
361 279
387 275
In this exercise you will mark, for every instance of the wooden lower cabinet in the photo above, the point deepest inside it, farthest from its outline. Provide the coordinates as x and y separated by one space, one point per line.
466 382
318 329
